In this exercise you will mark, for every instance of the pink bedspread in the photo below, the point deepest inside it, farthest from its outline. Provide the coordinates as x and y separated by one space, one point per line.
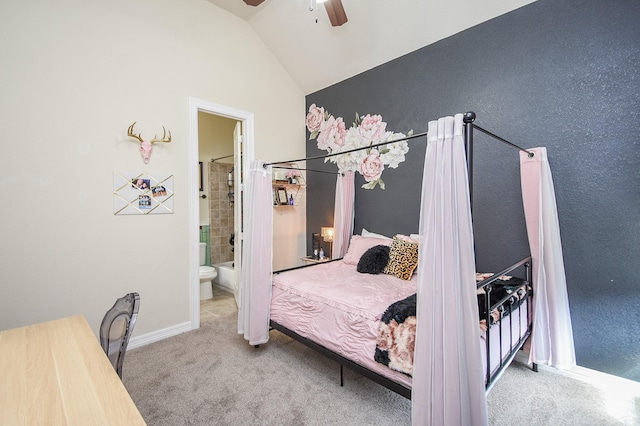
345 318
342 318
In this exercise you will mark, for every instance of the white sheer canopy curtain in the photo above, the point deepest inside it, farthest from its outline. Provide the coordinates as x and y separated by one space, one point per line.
448 383
257 255
552 335
343 214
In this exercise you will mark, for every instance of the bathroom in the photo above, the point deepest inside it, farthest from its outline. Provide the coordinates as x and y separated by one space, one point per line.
216 202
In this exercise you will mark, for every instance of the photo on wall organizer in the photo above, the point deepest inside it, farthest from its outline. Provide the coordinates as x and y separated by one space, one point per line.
142 193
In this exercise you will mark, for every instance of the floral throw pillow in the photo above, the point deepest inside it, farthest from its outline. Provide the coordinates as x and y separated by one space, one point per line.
403 259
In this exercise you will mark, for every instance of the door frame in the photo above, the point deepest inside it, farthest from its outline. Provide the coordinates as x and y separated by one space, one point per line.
247 120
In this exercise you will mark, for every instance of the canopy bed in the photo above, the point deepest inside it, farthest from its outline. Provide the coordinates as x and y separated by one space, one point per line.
462 337
345 315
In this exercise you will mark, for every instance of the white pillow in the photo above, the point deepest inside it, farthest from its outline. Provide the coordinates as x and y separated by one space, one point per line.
368 234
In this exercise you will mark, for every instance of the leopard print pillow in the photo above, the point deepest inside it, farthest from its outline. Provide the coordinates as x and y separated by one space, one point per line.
403 259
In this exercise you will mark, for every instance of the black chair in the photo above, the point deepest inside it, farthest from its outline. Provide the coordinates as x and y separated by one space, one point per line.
116 328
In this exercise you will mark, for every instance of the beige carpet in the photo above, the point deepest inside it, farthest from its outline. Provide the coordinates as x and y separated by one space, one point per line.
211 376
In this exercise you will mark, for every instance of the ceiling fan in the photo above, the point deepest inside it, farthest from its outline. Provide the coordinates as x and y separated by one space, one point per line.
337 15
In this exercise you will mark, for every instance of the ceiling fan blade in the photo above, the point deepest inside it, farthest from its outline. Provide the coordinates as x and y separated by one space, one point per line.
254 2
336 12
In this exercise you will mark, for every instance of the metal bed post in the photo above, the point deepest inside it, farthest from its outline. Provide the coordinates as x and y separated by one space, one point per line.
468 119
487 342
527 271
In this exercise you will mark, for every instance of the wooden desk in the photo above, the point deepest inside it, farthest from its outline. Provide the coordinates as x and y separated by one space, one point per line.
56 373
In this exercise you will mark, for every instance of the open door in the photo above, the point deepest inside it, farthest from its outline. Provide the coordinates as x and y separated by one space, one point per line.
237 209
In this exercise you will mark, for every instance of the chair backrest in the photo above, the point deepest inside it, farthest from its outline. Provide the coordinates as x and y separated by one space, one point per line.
116 328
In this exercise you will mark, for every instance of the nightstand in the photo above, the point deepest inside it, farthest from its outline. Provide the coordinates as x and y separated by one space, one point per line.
307 260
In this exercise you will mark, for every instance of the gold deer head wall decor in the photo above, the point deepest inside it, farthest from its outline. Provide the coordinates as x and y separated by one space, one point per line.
147 147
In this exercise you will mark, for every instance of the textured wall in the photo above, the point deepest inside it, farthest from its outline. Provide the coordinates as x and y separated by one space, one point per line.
564 75
221 212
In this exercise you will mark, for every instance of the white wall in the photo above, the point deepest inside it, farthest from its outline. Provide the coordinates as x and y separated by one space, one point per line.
75 75
289 237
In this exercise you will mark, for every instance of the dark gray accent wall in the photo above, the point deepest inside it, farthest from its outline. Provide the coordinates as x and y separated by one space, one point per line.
565 75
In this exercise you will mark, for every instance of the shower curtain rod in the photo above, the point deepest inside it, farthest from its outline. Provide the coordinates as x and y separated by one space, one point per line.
220 158
469 117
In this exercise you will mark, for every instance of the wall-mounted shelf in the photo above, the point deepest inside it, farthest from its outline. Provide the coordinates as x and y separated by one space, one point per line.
291 191
287 193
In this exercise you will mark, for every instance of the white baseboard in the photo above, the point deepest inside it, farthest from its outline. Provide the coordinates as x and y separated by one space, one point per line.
156 336
593 377
224 286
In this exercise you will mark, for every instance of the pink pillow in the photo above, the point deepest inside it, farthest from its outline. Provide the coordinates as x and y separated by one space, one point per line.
358 245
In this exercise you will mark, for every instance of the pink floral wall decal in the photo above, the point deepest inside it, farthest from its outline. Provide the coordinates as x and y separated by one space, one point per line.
333 136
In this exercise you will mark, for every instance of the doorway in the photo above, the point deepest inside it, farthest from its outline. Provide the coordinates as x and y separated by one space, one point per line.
243 144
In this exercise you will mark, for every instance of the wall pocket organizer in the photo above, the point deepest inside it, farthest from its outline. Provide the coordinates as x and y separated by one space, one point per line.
142 193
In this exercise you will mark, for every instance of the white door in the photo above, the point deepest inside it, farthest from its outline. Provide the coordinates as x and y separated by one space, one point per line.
237 209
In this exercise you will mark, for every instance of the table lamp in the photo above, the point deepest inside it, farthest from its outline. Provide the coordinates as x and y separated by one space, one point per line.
326 232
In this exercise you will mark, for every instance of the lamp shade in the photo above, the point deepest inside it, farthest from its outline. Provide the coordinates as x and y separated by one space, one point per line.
326 233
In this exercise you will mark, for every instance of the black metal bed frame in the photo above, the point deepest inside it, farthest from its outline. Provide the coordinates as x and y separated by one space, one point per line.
376 377
490 376
506 359
487 285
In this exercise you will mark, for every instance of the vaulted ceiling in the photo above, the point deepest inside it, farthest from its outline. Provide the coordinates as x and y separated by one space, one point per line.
317 55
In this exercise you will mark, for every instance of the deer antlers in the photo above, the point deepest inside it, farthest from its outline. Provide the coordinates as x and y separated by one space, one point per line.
146 147
154 140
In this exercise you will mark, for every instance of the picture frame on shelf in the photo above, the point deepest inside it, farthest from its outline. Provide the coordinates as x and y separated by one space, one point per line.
281 196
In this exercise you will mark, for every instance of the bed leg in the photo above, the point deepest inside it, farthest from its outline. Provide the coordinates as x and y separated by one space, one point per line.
341 375
534 367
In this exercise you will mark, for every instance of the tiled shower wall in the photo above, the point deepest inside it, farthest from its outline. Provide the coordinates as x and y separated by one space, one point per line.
221 213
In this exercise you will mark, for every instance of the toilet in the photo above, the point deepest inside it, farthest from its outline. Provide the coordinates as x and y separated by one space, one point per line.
207 274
